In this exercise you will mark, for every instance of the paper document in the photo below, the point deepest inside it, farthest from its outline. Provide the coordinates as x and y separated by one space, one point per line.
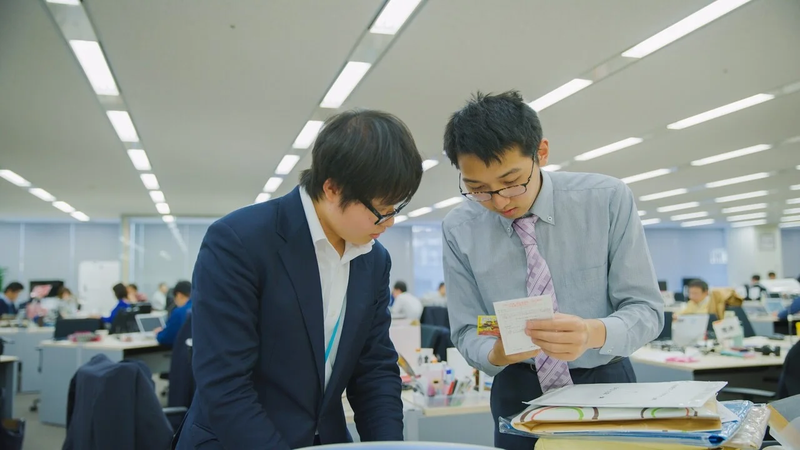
676 394
513 315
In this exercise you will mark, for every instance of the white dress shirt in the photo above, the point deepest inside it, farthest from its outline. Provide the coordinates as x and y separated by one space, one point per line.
159 301
406 306
334 274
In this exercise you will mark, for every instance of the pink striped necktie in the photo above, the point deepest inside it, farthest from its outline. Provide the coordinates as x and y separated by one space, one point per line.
552 373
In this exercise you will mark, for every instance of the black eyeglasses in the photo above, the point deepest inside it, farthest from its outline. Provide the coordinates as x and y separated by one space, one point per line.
507 192
384 217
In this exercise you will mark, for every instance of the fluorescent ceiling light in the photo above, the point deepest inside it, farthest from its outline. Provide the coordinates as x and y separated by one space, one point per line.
680 29
759 215
262 197
748 223
694 215
170 219
13 178
551 168
697 223
64 206
793 201
308 134
90 56
650 221
796 187
80 216
139 159
123 125
449 202
419 212
792 211
733 198
429 164
721 111
287 164
789 224
678 207
738 209
646 175
398 219
351 75
157 196
790 218
664 194
393 16
559 93
737 180
150 181
610 148
731 155
162 208
42 194
641 213
65 2
273 184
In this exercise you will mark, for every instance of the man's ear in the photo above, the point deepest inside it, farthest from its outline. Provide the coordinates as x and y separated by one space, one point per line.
543 152
331 191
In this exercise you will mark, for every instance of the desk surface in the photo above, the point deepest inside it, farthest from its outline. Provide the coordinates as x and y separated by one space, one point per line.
714 361
108 343
38 330
7 359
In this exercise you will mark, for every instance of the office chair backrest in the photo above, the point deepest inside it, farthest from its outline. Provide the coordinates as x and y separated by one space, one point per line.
66 327
181 378
435 315
747 327
666 332
789 383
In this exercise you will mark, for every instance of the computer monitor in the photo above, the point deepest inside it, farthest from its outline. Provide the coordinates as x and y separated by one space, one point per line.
66 327
149 322
45 288
662 285
773 305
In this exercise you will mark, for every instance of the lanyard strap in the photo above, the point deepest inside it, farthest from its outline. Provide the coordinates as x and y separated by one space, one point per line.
333 335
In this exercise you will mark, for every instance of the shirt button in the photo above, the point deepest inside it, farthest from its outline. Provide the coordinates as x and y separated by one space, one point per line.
549 217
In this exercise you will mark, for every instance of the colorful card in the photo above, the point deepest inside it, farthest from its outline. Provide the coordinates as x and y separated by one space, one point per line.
488 326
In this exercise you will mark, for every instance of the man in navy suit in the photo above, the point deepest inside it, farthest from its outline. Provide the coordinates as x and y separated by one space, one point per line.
290 301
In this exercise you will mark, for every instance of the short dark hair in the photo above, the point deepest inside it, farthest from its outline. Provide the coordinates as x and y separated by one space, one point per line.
489 125
401 286
771 274
369 155
120 291
183 287
14 286
441 285
699 284
757 277
63 290
133 286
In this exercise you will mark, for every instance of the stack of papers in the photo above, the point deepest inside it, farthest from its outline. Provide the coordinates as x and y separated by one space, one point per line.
681 413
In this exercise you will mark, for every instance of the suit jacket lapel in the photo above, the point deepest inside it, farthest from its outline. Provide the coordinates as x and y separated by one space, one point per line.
360 292
297 256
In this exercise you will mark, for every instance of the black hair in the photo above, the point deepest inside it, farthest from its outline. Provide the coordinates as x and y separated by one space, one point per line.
401 286
120 291
14 286
133 286
699 284
489 125
771 274
757 277
183 287
369 155
441 285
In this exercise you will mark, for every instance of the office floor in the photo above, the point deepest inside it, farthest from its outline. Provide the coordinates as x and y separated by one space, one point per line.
39 436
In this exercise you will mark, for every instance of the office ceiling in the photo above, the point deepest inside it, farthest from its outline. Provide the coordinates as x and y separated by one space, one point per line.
219 90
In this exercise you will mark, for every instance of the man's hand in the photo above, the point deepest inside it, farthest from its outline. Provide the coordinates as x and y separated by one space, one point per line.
566 337
157 330
498 357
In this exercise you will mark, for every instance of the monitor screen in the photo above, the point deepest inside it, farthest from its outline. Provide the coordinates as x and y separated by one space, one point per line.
44 289
662 285
148 324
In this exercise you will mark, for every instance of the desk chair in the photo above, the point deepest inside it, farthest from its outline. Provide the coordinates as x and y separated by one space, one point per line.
666 332
181 378
437 338
435 315
747 327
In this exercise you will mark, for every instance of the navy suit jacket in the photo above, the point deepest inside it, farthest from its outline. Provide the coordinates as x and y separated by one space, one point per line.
258 350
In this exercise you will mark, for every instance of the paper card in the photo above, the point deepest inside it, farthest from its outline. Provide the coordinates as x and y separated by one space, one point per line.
487 326
729 328
512 317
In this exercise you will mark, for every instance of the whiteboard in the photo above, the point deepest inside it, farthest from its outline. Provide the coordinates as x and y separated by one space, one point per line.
95 282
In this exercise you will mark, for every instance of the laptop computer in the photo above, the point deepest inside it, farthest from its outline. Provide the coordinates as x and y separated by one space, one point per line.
149 322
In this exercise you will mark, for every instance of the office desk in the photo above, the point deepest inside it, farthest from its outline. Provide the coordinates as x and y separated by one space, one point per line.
8 382
760 372
26 348
61 359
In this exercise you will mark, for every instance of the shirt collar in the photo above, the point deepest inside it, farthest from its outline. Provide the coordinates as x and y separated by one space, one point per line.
351 251
543 206
4 298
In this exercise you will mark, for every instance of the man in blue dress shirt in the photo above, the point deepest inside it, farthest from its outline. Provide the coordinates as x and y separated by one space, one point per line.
183 304
574 236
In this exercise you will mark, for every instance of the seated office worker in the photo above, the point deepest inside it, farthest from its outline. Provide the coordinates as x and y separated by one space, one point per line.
8 299
699 301
290 301
121 293
527 232
405 305
183 304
